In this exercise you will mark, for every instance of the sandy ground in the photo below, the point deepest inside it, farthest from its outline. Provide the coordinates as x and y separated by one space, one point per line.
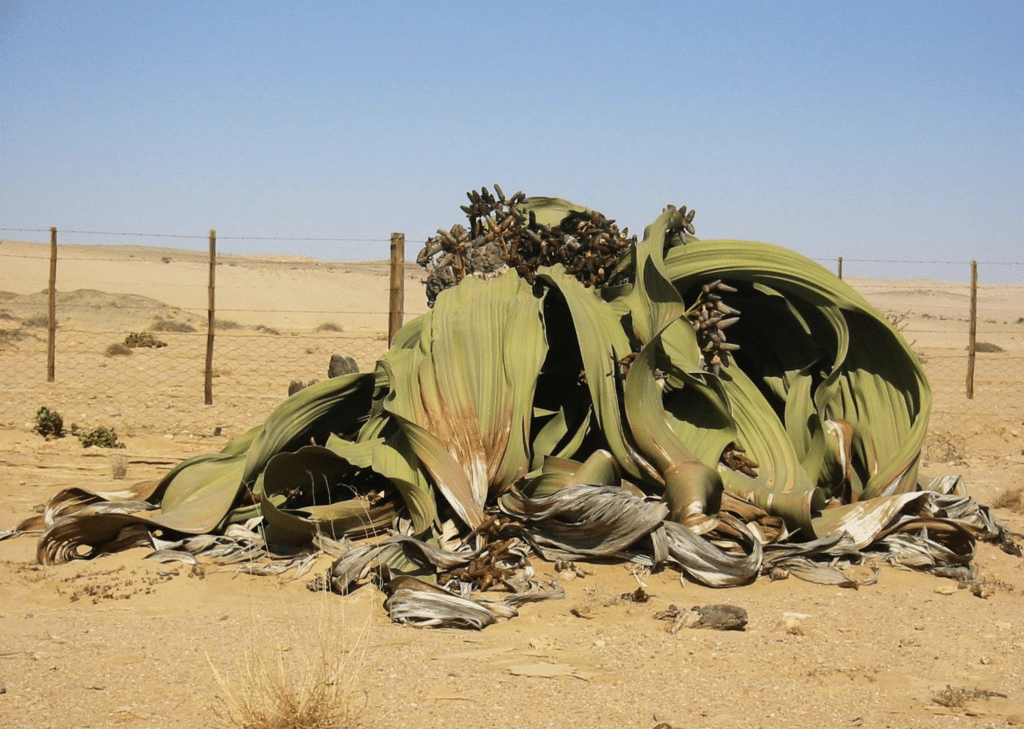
124 642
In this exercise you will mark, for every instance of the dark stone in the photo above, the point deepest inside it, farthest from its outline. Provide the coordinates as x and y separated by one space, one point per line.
721 617
294 386
341 365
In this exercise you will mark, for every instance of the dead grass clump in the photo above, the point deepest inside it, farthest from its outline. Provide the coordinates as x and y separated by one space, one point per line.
119 467
987 347
227 324
944 447
36 322
170 325
1011 500
266 330
284 685
9 336
117 350
898 320
957 698
330 326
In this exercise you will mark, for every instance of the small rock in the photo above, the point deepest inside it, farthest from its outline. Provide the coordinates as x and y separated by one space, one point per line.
721 617
341 365
946 589
792 623
982 590
713 617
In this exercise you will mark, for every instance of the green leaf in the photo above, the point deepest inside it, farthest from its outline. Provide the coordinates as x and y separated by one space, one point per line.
464 397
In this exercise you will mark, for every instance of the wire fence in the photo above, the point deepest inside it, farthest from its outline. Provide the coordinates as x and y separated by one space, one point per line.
281 318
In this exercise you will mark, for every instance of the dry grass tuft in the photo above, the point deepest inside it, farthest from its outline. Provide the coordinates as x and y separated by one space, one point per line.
957 698
36 322
170 325
1011 500
117 350
119 467
944 447
284 685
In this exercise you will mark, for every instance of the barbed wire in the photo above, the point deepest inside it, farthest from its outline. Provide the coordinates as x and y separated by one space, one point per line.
385 240
193 236
917 261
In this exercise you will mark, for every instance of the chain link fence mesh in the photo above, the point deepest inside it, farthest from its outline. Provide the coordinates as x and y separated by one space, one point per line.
263 340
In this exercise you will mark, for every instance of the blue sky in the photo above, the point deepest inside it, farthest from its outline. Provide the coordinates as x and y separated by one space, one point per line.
868 130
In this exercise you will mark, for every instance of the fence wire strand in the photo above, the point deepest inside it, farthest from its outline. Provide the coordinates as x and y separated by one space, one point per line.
260 347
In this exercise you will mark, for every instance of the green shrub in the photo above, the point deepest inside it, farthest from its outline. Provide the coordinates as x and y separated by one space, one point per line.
142 339
101 437
49 423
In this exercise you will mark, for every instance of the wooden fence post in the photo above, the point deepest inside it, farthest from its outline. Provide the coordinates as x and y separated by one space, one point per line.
51 327
396 301
208 386
840 268
972 331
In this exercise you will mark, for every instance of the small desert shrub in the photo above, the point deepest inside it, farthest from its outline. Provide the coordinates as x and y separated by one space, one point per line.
330 326
1011 500
6 315
142 339
266 330
9 336
170 325
987 347
101 437
117 350
227 324
36 322
957 698
942 447
49 423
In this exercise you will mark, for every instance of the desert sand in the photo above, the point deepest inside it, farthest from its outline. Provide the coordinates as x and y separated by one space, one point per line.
126 642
